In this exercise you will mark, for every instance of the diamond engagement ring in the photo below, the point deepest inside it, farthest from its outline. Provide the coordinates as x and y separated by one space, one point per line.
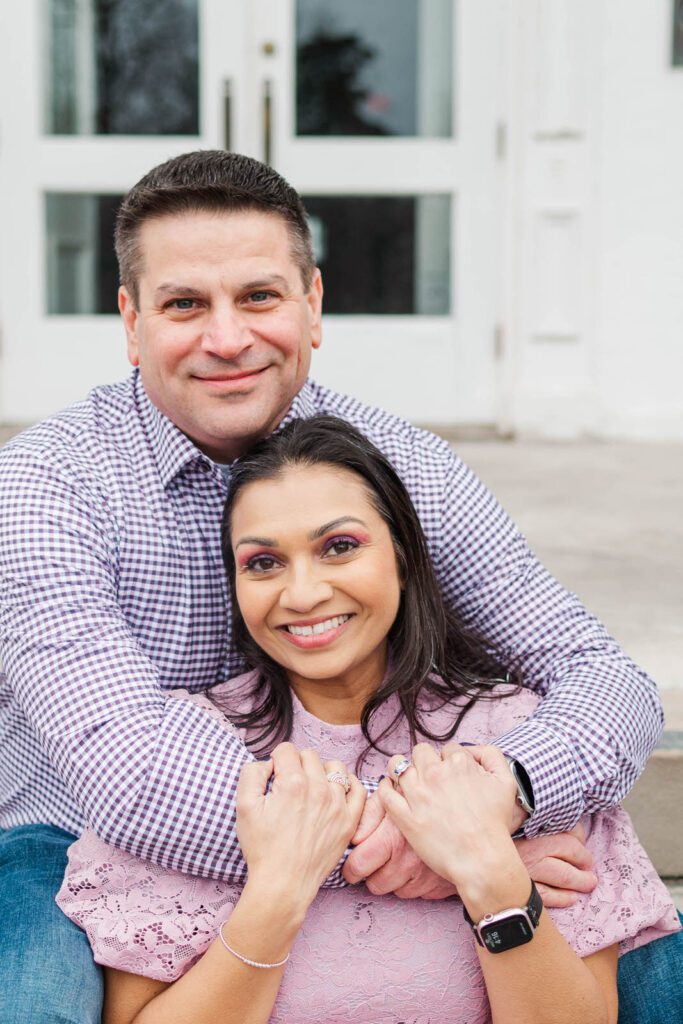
343 780
400 767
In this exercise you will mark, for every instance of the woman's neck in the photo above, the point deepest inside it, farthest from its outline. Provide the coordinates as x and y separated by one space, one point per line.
341 699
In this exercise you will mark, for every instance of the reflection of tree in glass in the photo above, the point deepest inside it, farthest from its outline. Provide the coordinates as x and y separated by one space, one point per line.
328 92
147 67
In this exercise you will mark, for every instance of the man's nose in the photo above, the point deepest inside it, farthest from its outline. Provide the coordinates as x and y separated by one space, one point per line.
304 590
226 335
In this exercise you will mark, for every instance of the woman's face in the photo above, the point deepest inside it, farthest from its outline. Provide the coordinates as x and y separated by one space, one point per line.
316 575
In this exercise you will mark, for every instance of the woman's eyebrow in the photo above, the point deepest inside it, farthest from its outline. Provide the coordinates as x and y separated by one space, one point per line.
269 542
333 524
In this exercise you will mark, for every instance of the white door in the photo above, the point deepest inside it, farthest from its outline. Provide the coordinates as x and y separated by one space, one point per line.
382 113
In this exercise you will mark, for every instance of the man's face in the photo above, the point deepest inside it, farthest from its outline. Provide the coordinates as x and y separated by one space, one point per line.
223 332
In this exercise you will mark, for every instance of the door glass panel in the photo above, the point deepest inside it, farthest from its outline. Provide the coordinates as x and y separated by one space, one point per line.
122 67
678 34
383 254
374 67
82 273
378 254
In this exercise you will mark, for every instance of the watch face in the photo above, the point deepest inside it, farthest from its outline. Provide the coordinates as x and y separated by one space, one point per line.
507 933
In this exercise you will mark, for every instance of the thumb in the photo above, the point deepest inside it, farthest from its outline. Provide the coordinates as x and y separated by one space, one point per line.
491 759
253 781
370 819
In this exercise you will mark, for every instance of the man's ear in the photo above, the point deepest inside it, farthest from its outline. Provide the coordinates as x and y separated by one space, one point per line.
129 315
315 305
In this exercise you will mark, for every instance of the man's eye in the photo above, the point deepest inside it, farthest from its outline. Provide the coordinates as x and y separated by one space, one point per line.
183 305
259 297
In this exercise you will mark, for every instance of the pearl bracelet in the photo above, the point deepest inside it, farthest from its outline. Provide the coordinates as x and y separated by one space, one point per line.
244 959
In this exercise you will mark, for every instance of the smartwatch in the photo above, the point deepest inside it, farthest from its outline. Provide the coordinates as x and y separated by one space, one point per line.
509 928
525 795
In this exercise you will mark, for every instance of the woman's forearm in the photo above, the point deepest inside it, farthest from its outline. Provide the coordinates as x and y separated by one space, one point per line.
543 981
220 989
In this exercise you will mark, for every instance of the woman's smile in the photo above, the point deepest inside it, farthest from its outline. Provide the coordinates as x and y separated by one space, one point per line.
312 635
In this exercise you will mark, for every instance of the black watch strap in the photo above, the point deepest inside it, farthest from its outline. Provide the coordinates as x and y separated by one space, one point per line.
533 909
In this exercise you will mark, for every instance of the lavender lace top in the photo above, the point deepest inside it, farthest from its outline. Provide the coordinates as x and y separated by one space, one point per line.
358 957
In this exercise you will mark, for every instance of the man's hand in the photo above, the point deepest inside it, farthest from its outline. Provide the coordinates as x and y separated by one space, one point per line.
387 863
560 865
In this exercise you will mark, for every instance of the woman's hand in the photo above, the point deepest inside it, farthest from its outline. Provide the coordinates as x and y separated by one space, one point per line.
455 809
293 836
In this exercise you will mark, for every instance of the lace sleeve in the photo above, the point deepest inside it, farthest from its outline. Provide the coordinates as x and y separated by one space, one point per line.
138 916
630 905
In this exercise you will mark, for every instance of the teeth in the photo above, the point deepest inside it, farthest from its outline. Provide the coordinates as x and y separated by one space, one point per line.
320 627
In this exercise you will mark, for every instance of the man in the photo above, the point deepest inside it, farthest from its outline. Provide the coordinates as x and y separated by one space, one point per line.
113 590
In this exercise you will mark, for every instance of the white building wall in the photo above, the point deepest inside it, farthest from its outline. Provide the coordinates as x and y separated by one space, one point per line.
593 281
639 326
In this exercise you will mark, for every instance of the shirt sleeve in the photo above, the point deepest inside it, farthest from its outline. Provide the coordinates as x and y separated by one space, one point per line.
600 716
154 776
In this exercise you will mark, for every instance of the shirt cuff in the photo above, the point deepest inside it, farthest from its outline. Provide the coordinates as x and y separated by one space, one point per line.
555 780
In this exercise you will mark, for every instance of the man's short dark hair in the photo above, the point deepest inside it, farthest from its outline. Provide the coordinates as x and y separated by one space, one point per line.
208 181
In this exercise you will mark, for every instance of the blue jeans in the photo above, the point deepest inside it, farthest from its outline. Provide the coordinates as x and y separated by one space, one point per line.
48 976
651 982
47 973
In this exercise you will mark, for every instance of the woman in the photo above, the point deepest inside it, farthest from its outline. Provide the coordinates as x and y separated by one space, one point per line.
353 655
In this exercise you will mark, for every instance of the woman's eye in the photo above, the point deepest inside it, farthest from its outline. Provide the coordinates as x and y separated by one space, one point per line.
261 564
341 546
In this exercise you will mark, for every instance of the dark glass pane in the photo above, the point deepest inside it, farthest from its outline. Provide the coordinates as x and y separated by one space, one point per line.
82 273
678 33
374 67
122 67
378 254
383 254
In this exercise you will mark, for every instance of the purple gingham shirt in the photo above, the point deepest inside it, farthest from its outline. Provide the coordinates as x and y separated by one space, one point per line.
113 593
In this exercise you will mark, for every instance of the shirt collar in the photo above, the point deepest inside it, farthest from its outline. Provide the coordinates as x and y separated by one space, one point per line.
302 407
173 450
170 447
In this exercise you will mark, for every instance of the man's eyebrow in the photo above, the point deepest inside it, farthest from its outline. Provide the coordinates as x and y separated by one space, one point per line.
333 524
181 291
264 282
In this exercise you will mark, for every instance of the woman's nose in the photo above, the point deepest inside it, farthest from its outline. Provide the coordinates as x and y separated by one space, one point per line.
304 591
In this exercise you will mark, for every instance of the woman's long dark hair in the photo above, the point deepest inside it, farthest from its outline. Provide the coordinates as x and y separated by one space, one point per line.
432 651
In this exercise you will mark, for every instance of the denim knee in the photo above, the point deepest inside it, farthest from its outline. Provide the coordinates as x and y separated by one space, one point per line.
47 972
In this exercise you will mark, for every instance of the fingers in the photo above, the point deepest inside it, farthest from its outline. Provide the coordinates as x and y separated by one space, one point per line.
253 782
558 874
491 759
564 846
374 852
371 817
556 898
336 768
356 798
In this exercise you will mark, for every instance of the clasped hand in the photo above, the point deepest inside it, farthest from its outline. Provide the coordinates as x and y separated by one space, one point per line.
407 840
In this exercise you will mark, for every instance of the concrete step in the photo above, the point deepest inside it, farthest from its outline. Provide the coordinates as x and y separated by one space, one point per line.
675 887
656 801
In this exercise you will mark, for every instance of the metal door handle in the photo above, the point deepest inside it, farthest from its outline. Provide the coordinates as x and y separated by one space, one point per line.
267 123
227 114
